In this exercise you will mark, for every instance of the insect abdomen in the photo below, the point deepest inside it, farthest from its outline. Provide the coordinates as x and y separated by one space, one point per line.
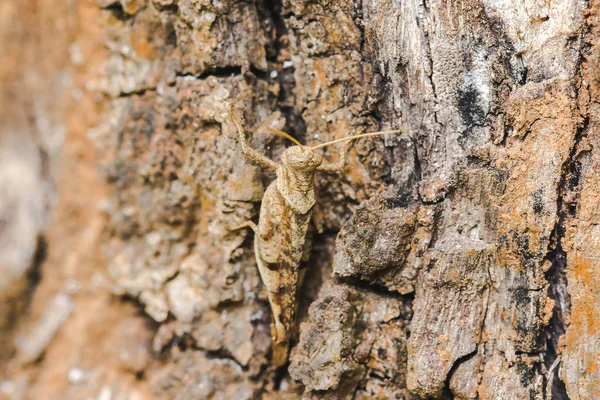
279 245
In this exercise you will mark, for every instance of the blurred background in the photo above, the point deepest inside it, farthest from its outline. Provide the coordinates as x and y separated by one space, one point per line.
47 51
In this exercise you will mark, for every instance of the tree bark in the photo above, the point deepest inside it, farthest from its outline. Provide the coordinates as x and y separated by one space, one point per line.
455 260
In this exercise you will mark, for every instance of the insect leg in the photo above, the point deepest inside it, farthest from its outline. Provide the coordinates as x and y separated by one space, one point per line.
247 224
248 151
337 167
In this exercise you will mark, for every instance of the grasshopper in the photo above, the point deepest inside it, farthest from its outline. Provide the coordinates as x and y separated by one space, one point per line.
282 240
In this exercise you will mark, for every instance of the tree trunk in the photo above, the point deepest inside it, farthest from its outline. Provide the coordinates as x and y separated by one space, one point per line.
455 260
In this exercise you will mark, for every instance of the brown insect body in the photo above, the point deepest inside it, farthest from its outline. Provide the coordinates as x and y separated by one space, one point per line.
282 239
280 242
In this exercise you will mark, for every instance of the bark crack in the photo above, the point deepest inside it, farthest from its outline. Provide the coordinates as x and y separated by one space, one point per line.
138 92
567 200
431 66
447 392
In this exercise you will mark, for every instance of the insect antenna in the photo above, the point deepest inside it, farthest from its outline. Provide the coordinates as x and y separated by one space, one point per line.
286 136
362 135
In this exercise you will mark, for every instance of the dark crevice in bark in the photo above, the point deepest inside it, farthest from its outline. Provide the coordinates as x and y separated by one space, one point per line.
418 169
535 353
18 304
221 72
167 8
439 200
359 22
117 11
279 374
435 231
222 355
446 392
272 9
567 200
34 275
321 243
286 100
139 92
226 72
367 286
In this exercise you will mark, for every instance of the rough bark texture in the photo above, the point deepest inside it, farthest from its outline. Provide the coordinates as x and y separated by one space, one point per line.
457 259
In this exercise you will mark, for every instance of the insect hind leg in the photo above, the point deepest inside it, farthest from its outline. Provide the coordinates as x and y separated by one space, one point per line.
247 224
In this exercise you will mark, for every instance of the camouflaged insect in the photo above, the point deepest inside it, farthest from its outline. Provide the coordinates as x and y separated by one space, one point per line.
282 240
